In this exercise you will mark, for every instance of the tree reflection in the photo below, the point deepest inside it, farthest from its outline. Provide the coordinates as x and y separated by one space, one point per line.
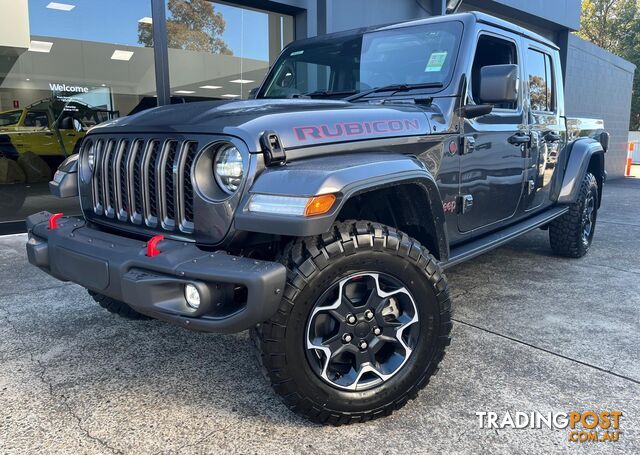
193 25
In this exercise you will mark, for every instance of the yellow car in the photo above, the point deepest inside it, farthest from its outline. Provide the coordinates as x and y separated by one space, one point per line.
34 129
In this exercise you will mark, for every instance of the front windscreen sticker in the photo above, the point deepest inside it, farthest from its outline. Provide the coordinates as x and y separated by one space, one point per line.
436 62
293 54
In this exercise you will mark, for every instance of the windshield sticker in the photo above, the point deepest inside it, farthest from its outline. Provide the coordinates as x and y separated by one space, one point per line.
436 62
293 54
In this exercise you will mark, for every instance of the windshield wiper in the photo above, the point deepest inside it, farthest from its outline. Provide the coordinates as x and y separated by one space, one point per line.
327 93
393 88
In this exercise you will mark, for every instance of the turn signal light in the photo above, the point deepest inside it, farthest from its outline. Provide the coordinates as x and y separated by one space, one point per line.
318 205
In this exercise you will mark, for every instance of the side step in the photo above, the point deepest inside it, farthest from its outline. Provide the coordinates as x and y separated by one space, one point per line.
490 241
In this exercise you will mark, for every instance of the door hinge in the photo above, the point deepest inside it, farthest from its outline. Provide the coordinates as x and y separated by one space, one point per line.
466 203
272 149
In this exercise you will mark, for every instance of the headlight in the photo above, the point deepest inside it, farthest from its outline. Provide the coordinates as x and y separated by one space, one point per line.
228 168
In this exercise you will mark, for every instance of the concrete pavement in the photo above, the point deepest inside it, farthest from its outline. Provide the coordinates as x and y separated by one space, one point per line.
533 332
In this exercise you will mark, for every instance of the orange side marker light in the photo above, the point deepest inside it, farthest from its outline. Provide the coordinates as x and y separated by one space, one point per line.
318 205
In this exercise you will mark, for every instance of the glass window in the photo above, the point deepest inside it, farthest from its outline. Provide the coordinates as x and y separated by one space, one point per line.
540 81
217 50
84 65
491 51
408 55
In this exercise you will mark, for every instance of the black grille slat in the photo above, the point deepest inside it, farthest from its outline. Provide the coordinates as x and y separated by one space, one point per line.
168 176
188 187
145 181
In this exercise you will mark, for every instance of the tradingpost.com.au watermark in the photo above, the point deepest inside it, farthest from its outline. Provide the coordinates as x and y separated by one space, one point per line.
585 426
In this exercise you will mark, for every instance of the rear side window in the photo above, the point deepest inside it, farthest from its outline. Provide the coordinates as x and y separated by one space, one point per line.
540 79
37 119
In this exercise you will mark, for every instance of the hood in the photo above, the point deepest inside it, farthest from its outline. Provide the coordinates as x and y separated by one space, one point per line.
298 122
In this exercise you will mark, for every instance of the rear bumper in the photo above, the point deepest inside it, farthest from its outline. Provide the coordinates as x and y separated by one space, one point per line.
236 292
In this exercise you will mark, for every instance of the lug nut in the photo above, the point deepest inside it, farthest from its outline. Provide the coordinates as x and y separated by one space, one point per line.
347 337
368 315
351 319
363 345
377 331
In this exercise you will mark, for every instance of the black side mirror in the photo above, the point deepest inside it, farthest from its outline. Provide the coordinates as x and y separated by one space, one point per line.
66 123
475 110
253 92
499 84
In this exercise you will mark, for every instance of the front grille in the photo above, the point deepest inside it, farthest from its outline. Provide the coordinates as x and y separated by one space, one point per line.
144 181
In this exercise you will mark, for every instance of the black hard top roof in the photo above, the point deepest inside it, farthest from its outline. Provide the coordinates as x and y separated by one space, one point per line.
467 18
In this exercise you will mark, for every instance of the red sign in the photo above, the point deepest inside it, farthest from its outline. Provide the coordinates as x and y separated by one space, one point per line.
16 104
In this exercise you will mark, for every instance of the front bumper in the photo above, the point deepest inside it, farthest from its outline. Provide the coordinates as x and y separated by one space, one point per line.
236 292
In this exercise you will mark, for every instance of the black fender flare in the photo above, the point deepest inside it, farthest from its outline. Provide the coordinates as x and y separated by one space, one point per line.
580 153
345 176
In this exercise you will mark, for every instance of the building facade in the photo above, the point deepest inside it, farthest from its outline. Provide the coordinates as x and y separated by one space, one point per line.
107 59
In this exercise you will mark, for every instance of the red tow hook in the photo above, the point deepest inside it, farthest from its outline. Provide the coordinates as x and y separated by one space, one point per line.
53 220
152 245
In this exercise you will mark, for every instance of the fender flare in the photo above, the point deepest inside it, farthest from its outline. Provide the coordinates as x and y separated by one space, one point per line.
580 153
346 176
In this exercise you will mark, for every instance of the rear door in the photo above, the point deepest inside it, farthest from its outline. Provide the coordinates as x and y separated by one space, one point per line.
492 160
548 132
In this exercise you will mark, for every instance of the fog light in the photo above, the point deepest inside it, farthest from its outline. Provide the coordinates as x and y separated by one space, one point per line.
192 295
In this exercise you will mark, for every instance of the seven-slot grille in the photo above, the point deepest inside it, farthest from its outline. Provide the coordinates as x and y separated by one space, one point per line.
144 181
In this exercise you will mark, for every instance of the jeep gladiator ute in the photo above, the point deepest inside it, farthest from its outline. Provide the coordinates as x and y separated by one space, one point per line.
321 214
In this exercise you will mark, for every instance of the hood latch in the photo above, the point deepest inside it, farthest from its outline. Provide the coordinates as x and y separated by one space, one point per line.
272 148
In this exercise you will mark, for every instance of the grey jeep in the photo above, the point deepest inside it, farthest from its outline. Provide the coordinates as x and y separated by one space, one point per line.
321 213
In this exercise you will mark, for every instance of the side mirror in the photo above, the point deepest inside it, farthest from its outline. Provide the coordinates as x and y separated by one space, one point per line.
253 92
499 84
66 123
604 140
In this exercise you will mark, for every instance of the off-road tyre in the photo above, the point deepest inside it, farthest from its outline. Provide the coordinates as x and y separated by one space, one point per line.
117 307
312 264
566 232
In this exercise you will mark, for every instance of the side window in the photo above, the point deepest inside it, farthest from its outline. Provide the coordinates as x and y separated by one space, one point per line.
491 51
38 119
540 79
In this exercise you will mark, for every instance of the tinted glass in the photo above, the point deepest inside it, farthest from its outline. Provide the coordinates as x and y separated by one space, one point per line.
408 55
540 80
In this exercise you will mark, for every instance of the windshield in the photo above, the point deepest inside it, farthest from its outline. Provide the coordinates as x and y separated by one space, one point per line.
423 54
10 118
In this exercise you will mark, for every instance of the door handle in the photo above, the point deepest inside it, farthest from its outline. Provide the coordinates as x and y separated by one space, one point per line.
71 134
551 136
519 139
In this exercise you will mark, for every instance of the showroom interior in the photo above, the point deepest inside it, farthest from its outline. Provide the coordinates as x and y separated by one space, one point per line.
90 62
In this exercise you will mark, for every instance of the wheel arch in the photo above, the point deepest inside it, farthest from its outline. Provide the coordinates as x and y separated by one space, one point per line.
352 177
585 155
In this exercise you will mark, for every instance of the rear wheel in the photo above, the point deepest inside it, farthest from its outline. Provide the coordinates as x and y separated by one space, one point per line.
117 307
362 327
571 234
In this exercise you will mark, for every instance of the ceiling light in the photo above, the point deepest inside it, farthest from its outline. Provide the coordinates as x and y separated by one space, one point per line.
60 6
40 46
27 79
229 95
145 20
122 55
210 87
241 81
184 92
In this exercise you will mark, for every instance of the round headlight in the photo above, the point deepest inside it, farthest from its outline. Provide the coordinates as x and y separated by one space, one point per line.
228 168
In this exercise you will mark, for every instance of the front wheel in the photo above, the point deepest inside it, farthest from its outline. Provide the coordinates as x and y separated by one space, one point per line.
362 327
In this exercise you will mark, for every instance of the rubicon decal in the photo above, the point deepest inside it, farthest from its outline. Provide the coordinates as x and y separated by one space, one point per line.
348 129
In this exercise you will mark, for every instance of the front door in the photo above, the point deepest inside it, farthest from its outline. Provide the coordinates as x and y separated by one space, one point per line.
495 145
